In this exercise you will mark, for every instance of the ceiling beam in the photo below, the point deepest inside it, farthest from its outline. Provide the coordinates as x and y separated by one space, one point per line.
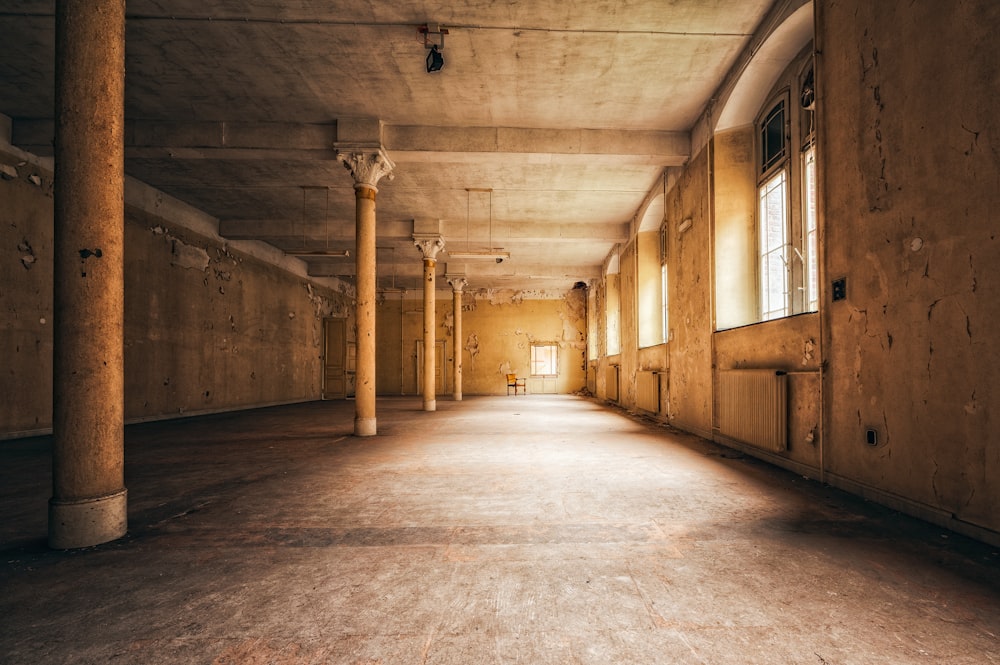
470 144
402 231
346 267
309 142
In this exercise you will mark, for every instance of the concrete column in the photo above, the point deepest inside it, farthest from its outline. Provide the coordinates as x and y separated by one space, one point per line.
367 168
429 247
88 504
457 284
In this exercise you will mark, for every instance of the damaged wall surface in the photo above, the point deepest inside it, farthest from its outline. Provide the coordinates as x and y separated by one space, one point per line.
912 225
204 330
26 210
207 328
689 265
891 389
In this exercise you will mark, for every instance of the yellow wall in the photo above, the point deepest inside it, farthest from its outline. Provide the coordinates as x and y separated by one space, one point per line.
498 329
908 215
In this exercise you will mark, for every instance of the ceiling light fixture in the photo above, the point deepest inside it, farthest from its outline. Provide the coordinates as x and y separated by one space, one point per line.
435 61
498 256
326 251
392 288
496 253
333 253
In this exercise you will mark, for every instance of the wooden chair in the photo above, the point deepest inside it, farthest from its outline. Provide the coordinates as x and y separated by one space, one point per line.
515 383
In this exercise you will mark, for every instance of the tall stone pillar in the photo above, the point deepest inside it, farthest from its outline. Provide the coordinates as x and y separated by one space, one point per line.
429 246
88 504
457 285
367 168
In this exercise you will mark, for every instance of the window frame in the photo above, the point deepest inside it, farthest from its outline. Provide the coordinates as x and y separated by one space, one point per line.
664 293
550 363
808 173
773 304
810 227
772 165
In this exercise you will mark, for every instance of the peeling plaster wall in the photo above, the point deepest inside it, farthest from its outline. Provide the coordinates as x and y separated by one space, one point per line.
689 284
628 324
25 295
599 334
207 328
912 222
498 327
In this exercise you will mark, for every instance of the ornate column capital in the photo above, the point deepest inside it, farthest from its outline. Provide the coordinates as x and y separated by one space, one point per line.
429 245
457 283
367 167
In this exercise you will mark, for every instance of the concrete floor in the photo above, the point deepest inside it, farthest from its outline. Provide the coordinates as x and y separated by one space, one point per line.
529 529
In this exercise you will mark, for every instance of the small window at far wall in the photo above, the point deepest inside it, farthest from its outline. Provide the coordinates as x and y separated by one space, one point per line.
544 360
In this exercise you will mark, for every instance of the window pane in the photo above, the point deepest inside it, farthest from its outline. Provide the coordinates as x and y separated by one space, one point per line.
773 248
666 319
544 360
811 244
772 137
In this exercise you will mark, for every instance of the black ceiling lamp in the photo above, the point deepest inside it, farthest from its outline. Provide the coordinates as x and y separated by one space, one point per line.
435 61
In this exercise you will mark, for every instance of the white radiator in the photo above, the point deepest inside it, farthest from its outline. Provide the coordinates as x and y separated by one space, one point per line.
611 383
647 391
753 407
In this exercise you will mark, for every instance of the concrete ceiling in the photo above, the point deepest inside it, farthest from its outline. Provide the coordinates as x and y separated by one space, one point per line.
547 127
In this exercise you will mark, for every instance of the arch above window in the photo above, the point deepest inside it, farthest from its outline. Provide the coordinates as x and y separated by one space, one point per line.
765 66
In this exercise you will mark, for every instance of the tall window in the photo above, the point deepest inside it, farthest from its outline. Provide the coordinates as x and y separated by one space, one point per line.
665 331
769 269
773 243
773 215
811 242
544 360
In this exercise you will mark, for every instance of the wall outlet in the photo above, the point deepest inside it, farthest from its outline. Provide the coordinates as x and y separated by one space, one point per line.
839 288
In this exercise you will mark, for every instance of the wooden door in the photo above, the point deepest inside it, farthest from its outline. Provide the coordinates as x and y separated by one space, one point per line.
440 376
334 358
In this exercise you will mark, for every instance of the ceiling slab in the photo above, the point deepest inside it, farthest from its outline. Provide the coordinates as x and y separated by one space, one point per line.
544 132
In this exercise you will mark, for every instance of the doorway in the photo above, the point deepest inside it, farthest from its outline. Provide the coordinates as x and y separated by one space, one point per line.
334 359
440 376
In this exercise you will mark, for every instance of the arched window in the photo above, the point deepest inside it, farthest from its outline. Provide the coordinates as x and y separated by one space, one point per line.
787 237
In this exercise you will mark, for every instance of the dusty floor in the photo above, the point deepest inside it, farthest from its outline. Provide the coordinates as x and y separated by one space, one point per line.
529 529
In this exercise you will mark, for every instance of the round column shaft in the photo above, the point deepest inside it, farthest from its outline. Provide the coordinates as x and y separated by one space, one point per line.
367 168
430 341
364 395
88 504
429 245
457 284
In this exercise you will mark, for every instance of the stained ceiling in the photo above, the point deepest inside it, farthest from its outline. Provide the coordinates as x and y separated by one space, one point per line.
542 134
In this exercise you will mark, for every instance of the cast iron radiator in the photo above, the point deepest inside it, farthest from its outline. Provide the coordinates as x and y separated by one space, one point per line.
611 383
647 391
753 407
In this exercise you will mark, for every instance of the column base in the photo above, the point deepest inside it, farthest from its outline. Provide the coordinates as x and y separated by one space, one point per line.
364 427
430 405
457 397
89 522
